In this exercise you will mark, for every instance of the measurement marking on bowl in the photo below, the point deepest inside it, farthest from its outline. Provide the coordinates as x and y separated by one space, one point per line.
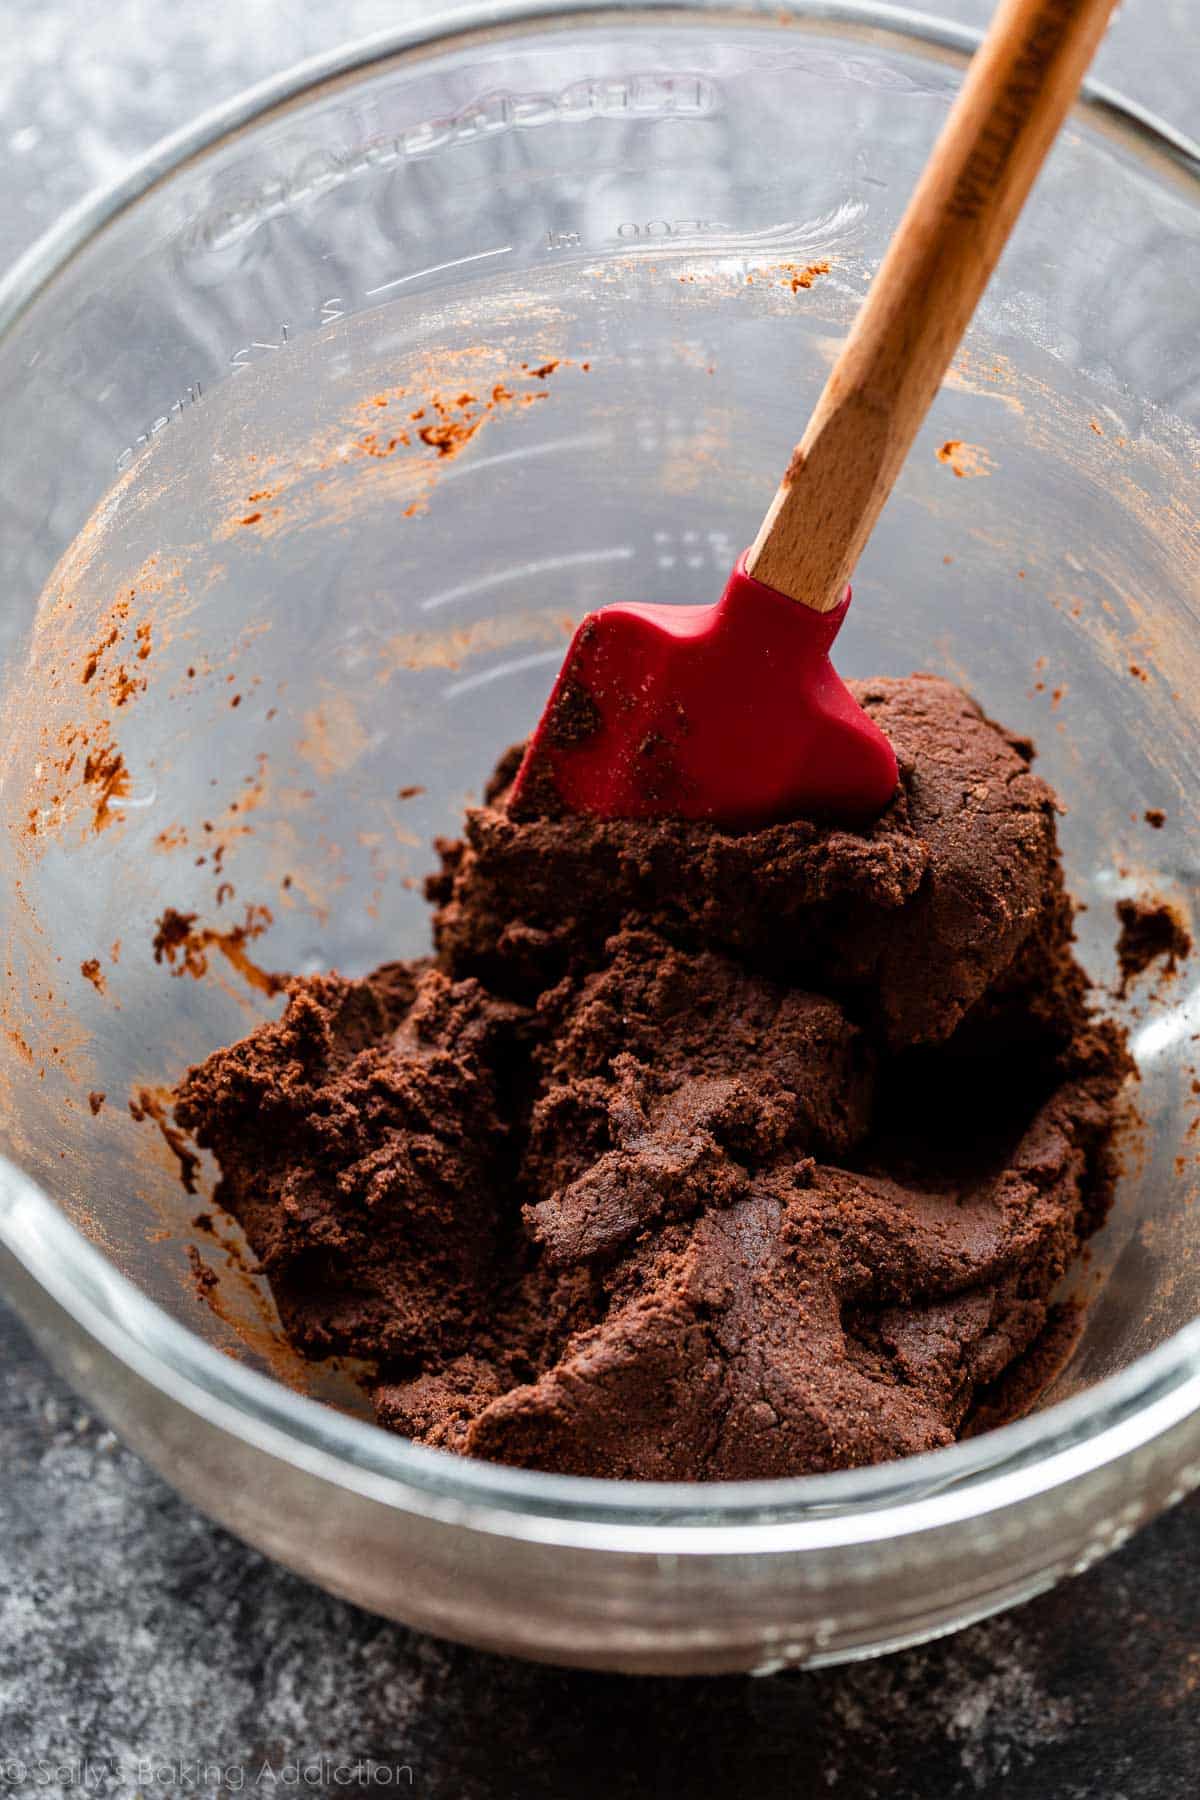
456 262
517 666
544 565
799 235
586 441
240 359
191 396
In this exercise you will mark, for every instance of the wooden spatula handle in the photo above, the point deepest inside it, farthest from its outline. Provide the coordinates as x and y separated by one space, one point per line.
1017 92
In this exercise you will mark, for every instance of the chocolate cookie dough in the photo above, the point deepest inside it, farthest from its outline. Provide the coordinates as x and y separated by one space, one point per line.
694 1155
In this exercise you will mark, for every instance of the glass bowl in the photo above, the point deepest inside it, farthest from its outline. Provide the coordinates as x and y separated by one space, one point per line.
261 642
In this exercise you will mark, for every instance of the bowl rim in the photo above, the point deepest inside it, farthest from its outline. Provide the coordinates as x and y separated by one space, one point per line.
48 255
1047 1451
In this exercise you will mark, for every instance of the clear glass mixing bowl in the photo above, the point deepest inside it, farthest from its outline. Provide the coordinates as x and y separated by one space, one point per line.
340 630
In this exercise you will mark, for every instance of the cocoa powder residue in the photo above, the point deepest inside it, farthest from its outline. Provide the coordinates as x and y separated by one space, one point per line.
123 686
804 278
446 424
204 1279
184 945
91 971
149 1103
1151 931
105 774
968 461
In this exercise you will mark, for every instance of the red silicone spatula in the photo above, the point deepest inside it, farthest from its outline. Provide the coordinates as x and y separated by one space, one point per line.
734 712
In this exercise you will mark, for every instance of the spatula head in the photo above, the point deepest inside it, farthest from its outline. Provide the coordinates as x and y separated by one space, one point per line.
731 712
